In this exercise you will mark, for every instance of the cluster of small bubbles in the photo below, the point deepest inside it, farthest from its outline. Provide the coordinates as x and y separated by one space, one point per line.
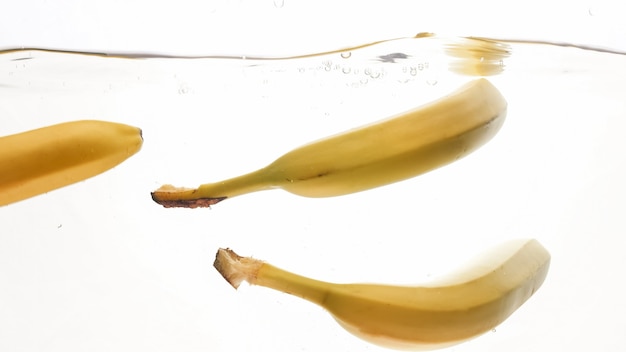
413 70
375 74
357 84
346 54
372 73
183 90
328 65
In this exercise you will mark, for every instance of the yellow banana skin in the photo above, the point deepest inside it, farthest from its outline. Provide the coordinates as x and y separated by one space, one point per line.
442 313
387 151
44 159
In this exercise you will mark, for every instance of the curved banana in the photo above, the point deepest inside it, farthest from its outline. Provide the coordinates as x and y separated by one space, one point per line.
445 312
40 160
394 149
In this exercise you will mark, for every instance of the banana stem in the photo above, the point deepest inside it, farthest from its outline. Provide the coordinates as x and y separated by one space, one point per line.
236 269
278 279
212 193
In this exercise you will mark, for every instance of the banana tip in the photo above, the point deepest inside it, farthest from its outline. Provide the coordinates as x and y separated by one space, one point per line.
186 203
234 268
172 197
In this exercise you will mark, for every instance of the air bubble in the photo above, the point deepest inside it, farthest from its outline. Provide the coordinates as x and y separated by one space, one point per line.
346 70
183 89
413 71
431 82
279 3
346 54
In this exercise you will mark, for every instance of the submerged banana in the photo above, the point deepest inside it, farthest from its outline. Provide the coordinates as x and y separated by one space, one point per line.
387 151
40 160
442 313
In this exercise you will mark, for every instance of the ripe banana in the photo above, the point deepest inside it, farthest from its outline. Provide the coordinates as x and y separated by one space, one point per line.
40 160
391 150
451 310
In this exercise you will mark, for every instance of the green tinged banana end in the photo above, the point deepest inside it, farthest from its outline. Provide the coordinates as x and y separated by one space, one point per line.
181 197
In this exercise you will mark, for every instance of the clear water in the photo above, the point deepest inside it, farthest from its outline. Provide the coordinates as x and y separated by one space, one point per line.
98 266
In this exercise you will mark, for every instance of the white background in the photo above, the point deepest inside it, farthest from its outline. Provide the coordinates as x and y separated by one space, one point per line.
98 267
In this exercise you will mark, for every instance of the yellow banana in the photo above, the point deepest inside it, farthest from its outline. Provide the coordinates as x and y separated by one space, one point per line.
445 312
40 160
394 149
